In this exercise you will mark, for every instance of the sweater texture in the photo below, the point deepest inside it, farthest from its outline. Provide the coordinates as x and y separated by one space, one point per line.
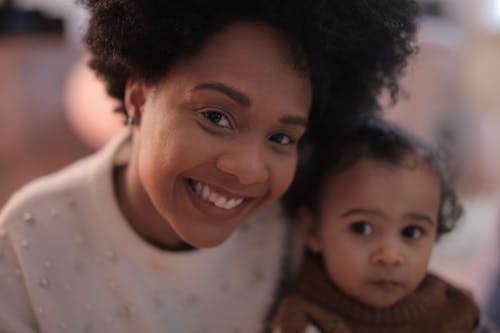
70 262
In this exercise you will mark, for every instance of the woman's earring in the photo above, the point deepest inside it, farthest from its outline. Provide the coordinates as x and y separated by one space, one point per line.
133 120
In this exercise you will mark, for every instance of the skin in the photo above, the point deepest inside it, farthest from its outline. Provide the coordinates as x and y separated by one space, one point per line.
228 118
376 228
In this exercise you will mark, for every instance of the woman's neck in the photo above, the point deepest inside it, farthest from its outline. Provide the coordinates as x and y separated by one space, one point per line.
140 213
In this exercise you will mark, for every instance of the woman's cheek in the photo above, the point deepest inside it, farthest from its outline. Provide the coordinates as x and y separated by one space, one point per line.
284 172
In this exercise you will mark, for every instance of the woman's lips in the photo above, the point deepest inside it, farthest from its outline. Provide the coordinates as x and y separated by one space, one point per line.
207 193
214 203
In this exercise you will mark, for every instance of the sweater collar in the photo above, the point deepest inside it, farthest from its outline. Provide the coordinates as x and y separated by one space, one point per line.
427 297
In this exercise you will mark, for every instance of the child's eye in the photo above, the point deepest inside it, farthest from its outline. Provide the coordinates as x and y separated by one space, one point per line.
217 118
281 139
412 232
361 228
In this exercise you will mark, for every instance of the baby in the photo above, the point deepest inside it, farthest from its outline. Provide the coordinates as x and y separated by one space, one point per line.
372 206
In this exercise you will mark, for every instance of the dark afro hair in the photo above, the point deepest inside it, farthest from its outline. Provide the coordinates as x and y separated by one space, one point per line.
369 138
353 48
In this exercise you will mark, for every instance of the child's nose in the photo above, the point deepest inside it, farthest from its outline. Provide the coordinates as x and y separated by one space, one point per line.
246 162
388 254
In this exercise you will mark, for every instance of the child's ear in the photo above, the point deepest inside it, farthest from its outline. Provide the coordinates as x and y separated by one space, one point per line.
310 229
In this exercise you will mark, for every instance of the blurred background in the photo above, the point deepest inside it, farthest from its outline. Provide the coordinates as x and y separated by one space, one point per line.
51 112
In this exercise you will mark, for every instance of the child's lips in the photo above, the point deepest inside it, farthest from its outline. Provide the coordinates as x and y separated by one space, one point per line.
386 284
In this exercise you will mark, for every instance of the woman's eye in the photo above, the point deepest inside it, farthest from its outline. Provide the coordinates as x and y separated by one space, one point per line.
412 232
281 139
217 118
361 228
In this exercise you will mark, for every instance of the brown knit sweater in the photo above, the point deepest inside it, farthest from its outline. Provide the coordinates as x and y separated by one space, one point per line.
435 307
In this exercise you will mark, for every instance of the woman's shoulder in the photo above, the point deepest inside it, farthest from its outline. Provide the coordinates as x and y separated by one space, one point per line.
63 186
39 196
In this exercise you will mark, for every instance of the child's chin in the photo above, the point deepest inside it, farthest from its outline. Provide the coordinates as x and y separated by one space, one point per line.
382 303
385 305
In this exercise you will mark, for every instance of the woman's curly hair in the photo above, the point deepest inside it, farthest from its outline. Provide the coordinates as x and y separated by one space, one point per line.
377 139
353 49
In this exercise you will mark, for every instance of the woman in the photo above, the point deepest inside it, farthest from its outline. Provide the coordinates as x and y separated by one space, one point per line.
148 235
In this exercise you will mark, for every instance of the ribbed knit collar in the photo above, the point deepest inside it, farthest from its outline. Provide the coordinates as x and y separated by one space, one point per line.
315 286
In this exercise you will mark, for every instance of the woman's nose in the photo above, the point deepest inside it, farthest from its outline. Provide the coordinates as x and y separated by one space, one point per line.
388 254
246 162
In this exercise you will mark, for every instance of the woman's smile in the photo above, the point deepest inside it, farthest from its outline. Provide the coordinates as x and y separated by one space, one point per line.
216 198
214 202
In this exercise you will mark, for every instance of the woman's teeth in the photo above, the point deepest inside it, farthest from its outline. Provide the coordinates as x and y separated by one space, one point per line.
216 199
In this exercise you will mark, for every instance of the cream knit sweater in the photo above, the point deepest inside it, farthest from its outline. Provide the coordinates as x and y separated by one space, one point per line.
69 262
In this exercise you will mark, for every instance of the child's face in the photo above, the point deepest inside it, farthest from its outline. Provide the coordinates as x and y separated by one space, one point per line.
376 229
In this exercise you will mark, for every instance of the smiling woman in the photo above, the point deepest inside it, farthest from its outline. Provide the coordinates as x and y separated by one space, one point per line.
217 128
174 223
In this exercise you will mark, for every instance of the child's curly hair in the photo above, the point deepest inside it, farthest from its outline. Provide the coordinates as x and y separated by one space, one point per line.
373 138
352 49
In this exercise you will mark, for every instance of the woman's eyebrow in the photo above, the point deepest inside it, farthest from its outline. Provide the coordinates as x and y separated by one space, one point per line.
244 100
232 93
294 120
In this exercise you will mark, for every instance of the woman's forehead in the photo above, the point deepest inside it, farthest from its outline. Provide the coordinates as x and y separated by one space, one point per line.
249 61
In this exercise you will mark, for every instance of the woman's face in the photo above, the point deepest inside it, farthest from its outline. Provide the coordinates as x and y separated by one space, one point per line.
217 139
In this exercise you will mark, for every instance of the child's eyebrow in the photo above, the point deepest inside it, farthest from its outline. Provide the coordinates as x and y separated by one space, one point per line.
419 217
354 211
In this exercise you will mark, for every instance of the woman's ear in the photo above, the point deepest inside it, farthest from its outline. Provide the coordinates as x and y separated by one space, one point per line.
135 98
310 226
